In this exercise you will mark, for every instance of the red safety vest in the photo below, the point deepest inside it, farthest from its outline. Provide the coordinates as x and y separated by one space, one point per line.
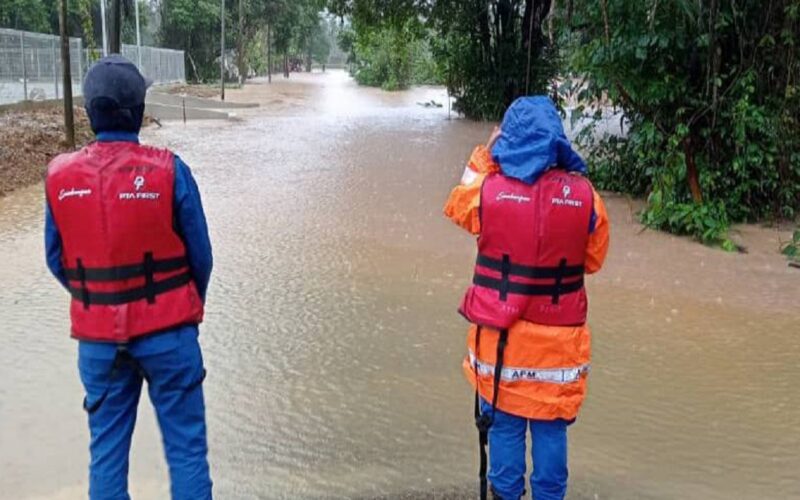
531 251
128 274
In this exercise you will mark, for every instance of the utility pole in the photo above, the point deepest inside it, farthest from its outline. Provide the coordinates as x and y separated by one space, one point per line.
138 37
69 119
222 51
103 25
115 46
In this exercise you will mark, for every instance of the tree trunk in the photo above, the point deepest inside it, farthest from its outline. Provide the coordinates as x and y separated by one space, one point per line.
115 43
240 59
69 119
269 52
286 65
222 49
536 11
692 176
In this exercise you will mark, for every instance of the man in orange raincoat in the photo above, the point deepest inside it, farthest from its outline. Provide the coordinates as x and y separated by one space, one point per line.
541 227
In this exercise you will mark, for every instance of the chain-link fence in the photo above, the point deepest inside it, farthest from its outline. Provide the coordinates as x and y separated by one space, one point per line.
30 65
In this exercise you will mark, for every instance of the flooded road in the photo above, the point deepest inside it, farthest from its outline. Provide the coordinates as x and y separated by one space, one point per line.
333 346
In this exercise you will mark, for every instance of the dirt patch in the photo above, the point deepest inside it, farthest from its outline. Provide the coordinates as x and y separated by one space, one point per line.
31 136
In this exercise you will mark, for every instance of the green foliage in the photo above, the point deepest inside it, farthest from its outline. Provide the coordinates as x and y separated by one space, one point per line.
28 15
425 70
41 16
387 43
194 26
484 48
792 249
383 58
710 92
321 43
299 30
707 222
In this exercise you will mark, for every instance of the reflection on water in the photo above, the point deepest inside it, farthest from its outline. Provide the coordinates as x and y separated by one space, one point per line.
333 346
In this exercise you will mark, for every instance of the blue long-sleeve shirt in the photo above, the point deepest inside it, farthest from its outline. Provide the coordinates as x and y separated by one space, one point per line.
190 224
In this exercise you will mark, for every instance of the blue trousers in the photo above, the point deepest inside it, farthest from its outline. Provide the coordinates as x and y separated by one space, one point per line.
507 456
112 396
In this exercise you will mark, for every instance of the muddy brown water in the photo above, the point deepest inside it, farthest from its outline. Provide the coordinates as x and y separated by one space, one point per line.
332 343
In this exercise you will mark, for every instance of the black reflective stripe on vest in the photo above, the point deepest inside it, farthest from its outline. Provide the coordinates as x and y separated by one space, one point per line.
531 272
131 295
81 276
525 288
126 272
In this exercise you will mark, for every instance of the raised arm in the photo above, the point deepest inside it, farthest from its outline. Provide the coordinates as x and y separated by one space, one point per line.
463 205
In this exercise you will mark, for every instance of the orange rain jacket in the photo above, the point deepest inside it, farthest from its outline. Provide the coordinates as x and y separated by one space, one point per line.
530 346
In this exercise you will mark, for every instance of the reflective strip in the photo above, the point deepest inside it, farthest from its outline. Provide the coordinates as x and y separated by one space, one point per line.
469 176
549 375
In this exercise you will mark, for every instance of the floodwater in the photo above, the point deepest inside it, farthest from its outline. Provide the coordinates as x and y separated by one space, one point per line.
333 345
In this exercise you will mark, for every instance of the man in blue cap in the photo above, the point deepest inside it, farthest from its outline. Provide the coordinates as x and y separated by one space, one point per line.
126 235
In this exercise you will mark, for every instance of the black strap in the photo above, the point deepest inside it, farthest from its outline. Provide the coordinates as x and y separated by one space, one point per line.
484 421
148 278
531 272
505 282
119 273
122 358
559 279
82 278
526 288
130 295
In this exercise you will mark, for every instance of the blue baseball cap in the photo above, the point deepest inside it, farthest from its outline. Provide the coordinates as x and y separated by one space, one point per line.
114 82
114 93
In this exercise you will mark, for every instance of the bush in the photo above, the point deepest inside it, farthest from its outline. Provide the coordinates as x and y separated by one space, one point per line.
393 58
483 49
792 249
711 94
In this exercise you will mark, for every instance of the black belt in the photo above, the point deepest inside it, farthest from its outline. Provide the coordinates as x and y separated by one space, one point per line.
529 271
125 272
525 288
131 295
507 269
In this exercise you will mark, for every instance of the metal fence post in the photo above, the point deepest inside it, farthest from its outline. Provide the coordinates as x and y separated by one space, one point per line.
80 61
24 68
55 66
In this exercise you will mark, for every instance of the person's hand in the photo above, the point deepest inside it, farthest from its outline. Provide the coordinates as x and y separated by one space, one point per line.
496 133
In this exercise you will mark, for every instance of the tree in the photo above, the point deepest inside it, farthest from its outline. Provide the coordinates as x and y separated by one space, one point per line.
711 92
493 51
69 118
192 26
321 42
28 15
382 38
488 51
